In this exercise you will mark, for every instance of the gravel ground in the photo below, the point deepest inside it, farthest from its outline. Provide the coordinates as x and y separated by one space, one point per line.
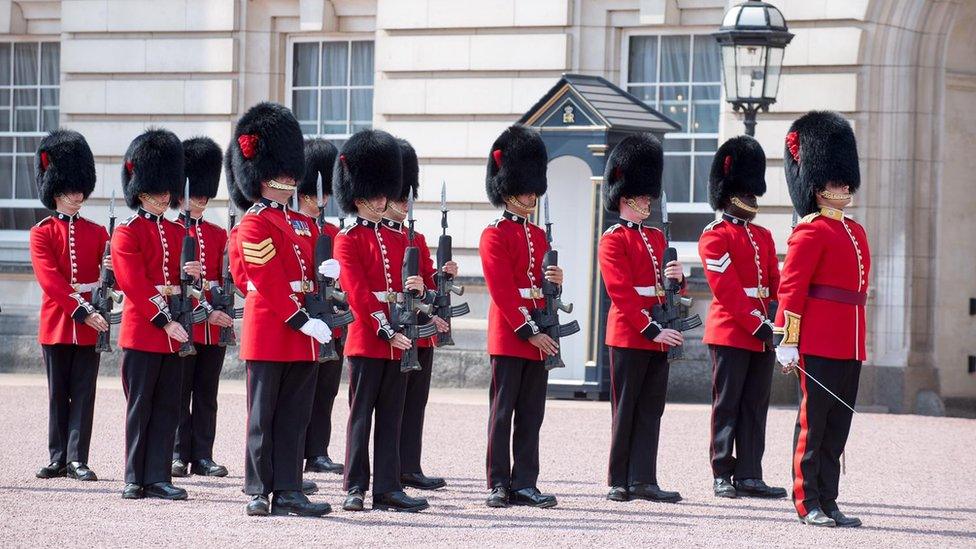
909 478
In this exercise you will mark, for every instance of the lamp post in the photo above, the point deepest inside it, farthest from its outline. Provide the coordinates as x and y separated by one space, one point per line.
753 37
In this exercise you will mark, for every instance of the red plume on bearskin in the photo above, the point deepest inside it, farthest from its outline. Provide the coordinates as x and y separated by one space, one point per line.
497 155
793 145
248 144
739 168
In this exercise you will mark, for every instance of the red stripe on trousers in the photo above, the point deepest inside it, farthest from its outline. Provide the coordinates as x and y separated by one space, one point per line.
491 422
799 494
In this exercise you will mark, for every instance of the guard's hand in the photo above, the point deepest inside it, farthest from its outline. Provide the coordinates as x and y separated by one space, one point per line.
554 274
401 342
221 319
329 269
442 325
415 284
674 270
670 337
97 322
788 357
546 344
451 268
193 268
175 331
317 330
107 262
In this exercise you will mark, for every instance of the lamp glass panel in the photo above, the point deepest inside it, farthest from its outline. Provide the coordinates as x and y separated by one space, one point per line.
728 67
773 68
753 16
750 64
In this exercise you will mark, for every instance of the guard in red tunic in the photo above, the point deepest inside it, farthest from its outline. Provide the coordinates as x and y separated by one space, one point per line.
511 251
820 325
366 176
631 255
279 340
146 255
320 157
243 204
66 253
201 371
739 258
418 382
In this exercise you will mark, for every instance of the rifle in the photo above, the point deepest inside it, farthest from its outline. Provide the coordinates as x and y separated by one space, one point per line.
223 297
547 318
106 296
323 304
182 303
668 315
405 315
445 284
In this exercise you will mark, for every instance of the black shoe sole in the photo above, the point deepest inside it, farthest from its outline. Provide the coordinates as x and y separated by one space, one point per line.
46 476
497 504
353 508
293 513
546 505
180 497
849 525
618 499
428 487
394 508
133 496
206 474
657 500
179 474
727 495
257 512
91 478
743 494
338 471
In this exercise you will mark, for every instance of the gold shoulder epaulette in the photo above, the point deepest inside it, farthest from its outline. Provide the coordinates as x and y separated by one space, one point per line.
43 221
256 208
711 225
809 218
612 228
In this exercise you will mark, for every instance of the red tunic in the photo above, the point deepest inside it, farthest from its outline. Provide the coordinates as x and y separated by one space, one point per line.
828 255
211 243
511 252
631 257
427 269
276 251
146 260
371 259
741 267
66 253
236 263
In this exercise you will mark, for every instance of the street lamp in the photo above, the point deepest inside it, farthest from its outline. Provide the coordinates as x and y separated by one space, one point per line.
753 37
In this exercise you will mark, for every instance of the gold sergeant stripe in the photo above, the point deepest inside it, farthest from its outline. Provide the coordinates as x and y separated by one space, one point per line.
259 253
258 246
260 259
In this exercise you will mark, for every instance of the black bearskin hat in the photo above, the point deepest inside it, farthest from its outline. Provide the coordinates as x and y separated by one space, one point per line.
411 171
267 144
739 167
153 164
820 147
517 165
369 166
63 164
320 156
239 200
201 164
633 169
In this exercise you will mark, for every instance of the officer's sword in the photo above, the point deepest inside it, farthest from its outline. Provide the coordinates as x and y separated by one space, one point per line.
831 393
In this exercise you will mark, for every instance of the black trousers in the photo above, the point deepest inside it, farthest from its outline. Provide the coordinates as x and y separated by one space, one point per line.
741 381
638 388
319 431
822 426
376 387
414 405
71 374
518 389
198 425
279 404
152 384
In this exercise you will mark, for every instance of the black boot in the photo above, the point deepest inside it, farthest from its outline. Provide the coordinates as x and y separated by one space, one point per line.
399 501
842 520
756 488
323 464
258 506
532 497
80 471
422 481
816 517
354 500
52 470
723 488
164 490
652 492
179 469
498 497
133 491
208 468
294 502
618 493
309 487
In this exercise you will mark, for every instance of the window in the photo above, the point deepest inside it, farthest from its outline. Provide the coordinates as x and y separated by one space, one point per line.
681 76
30 77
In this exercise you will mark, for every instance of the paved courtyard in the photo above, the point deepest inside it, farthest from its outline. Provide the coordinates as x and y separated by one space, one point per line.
909 478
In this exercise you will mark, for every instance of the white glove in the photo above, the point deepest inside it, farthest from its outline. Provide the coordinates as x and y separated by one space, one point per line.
329 268
318 330
788 356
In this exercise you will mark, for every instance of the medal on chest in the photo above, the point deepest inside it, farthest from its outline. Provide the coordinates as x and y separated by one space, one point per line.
300 227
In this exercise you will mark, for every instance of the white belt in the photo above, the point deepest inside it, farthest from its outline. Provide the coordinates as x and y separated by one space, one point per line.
758 293
297 286
388 297
86 287
167 290
648 291
530 293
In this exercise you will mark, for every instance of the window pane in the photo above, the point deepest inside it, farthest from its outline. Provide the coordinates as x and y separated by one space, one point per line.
25 64
362 64
708 59
677 177
50 119
676 144
25 110
5 120
4 64
25 177
674 104
334 117
703 165
335 63
706 145
51 63
20 219
361 102
7 173
304 104
645 93
643 59
674 58
305 68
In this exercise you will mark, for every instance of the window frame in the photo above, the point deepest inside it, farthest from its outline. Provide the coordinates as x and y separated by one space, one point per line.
696 32
348 38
